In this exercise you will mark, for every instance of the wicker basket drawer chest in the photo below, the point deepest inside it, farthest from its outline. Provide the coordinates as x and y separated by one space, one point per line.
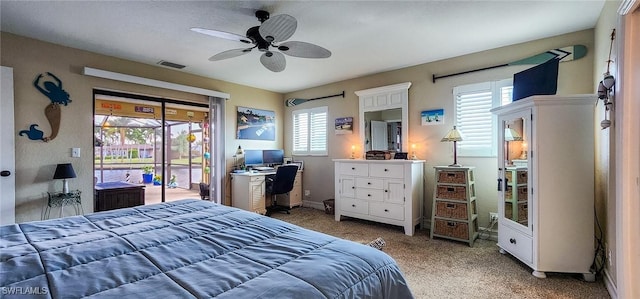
454 214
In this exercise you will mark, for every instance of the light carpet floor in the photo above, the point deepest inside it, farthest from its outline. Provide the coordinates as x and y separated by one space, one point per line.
442 268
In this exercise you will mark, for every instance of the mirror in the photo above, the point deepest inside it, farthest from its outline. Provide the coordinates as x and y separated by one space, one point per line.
383 130
515 164
383 119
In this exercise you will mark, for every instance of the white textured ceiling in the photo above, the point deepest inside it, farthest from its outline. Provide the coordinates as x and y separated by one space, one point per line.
365 37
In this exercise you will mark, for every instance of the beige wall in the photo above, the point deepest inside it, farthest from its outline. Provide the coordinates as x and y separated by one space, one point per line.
575 77
605 139
36 160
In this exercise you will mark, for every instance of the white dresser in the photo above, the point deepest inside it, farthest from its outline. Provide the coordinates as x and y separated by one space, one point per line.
387 191
545 210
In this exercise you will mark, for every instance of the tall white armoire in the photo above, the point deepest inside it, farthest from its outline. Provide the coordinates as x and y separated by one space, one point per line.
546 183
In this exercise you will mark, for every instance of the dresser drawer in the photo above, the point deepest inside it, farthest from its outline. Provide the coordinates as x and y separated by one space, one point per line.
455 210
385 170
451 177
391 211
360 169
256 179
354 206
451 192
516 243
369 194
369 183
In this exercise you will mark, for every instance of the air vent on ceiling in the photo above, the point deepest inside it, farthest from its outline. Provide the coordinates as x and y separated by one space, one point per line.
171 64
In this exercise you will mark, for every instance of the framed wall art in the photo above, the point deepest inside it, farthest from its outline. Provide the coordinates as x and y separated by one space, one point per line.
344 125
256 124
432 117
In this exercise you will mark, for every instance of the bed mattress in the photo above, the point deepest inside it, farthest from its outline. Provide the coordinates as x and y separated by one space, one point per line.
188 249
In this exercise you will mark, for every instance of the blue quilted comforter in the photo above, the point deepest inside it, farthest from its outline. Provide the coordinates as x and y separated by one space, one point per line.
188 249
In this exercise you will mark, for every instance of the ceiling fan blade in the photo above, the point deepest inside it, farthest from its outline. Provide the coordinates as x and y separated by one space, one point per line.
230 54
278 28
222 34
273 61
304 50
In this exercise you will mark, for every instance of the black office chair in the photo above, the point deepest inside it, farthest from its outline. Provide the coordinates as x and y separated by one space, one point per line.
281 183
204 191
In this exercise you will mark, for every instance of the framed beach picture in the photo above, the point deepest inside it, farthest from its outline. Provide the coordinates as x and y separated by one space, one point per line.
256 124
344 125
432 117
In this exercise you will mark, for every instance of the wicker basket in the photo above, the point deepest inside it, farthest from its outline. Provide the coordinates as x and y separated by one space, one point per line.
455 229
508 210
452 177
452 192
523 212
453 210
522 193
508 194
522 176
329 206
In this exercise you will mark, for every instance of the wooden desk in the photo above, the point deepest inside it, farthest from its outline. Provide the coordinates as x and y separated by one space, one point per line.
116 195
248 192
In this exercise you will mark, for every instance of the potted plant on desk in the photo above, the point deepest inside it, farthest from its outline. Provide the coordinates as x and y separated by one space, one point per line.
147 174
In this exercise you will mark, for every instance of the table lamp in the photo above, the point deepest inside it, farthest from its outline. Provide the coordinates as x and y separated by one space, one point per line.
510 135
239 152
453 136
64 171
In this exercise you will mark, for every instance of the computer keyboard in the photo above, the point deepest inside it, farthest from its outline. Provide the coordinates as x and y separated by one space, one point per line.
264 168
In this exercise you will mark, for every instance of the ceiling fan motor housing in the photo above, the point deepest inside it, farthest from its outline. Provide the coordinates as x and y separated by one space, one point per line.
254 35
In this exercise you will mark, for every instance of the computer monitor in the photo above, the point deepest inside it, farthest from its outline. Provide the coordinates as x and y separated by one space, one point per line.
253 158
273 157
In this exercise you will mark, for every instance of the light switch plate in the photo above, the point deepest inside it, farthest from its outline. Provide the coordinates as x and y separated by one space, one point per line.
75 152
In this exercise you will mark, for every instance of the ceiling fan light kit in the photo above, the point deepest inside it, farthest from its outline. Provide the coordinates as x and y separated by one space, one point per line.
268 37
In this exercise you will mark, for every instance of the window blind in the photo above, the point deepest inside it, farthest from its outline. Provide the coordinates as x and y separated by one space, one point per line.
310 131
473 119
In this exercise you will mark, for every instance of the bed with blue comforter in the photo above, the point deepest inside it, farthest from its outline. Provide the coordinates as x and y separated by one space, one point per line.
188 249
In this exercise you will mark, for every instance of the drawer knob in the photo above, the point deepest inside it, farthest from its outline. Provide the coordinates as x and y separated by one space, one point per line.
369 195
368 183
353 206
353 187
386 210
353 168
512 241
385 190
386 169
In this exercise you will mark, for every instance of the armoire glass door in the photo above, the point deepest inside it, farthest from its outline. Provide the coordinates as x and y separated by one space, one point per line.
514 181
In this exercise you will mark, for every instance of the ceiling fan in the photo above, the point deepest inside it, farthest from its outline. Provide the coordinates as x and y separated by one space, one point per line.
269 37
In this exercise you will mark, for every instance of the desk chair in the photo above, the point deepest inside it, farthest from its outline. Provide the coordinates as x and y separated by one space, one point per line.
204 191
281 183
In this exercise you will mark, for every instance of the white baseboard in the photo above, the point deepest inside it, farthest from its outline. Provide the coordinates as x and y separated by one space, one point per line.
313 204
610 285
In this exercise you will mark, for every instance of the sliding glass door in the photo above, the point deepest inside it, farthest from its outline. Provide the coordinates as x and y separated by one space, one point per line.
163 145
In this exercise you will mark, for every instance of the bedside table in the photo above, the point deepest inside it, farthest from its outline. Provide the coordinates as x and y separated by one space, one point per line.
59 199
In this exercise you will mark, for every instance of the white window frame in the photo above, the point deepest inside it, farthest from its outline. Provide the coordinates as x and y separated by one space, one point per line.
494 87
321 148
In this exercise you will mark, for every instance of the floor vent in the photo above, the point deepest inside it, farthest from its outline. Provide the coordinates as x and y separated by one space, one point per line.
171 64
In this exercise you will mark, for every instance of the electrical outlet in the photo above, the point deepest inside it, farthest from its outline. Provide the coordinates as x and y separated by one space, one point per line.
307 192
493 216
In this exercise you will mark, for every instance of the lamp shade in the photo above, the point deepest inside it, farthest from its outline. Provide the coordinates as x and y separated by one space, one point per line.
64 171
511 135
453 135
239 151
